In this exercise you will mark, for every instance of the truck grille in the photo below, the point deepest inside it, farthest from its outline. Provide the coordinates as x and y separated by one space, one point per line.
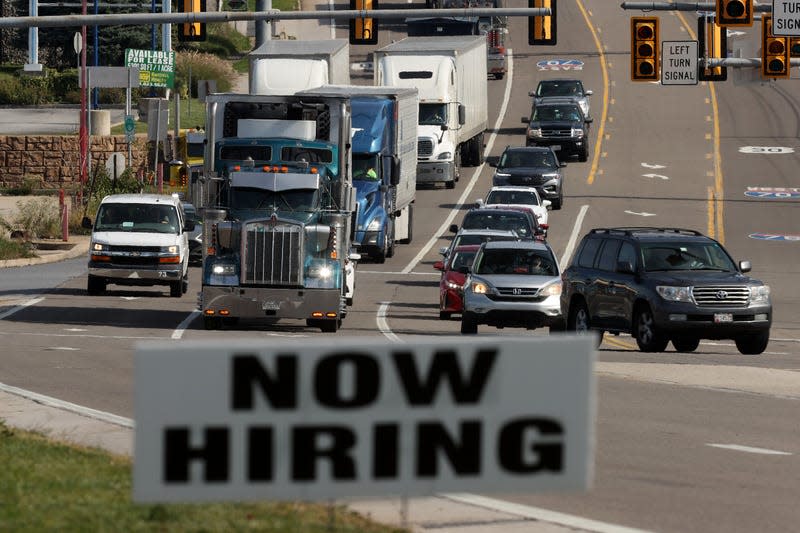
272 254
557 134
424 148
719 296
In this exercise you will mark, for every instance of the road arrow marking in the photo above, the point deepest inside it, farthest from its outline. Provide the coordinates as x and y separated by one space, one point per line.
648 165
655 176
643 214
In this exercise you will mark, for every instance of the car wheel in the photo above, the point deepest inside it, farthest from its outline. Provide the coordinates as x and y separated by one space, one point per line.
646 332
444 315
685 345
558 202
95 286
753 344
469 324
583 156
578 321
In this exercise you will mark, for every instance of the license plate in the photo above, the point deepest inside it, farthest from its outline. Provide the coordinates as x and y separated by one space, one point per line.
722 317
270 306
556 147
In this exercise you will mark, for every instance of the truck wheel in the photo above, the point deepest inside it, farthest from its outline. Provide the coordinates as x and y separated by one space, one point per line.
95 286
478 154
176 288
389 241
754 344
212 322
330 326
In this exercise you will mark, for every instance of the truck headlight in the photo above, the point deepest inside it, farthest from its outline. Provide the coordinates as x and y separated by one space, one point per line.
534 132
577 133
320 271
759 294
675 294
445 156
223 269
374 225
222 274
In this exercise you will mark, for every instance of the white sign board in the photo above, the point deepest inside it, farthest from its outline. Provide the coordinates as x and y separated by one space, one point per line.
786 18
362 417
679 63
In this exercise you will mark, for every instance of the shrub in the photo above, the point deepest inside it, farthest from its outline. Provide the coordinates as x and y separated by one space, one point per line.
203 67
39 218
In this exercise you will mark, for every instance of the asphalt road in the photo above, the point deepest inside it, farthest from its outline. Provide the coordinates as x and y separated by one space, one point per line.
698 442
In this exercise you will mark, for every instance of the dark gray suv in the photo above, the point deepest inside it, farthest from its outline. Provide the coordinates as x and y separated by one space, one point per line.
662 285
560 124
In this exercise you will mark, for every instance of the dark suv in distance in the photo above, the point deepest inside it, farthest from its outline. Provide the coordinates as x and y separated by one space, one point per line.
531 166
562 88
662 285
560 124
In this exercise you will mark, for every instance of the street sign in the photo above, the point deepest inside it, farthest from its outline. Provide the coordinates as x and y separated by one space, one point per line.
785 18
130 128
239 420
679 63
77 42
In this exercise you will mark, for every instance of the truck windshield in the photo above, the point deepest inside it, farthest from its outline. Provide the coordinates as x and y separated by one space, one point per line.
141 218
260 200
365 167
433 114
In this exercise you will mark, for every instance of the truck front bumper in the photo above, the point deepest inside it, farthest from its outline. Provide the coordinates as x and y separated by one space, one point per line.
436 172
269 302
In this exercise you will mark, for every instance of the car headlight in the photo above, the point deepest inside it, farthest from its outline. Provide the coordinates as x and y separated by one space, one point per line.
445 156
554 289
675 294
478 287
534 132
452 285
374 225
577 133
551 176
759 294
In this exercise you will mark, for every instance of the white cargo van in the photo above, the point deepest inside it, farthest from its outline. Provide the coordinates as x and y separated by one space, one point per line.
140 240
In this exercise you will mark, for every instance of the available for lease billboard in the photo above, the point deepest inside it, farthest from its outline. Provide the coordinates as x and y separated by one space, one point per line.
156 68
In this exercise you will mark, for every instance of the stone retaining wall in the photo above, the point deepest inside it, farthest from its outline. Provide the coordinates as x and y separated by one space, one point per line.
53 160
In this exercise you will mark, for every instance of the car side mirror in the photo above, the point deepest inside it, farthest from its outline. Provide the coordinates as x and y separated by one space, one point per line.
589 92
479 203
589 120
625 267
562 164
745 266
439 265
354 256
86 223
453 228
525 120
547 204
531 93
443 250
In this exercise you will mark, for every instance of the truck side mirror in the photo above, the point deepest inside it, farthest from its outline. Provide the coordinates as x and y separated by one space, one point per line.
86 223
394 178
462 114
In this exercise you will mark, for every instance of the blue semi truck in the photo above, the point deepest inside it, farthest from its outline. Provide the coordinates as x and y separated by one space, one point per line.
384 153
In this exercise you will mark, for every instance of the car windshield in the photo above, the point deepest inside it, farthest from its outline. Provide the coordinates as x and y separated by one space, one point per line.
559 88
686 256
141 218
546 113
528 158
514 261
513 197
485 219
461 259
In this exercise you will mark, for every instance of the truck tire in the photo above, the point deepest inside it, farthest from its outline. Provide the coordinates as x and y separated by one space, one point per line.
330 326
95 286
479 159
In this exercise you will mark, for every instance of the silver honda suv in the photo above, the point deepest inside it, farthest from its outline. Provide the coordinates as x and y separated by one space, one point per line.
512 284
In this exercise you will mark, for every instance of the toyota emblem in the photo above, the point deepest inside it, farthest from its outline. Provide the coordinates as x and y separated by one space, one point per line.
722 295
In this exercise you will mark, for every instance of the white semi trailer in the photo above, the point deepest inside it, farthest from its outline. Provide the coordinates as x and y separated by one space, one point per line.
287 66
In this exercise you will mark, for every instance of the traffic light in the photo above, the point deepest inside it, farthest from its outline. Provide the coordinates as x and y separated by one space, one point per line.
712 40
774 51
794 47
644 49
364 30
192 31
542 30
734 12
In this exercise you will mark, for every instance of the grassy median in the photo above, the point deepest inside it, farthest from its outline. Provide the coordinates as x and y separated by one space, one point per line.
55 486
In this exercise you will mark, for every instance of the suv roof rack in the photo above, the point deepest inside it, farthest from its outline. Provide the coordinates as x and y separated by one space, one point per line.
644 229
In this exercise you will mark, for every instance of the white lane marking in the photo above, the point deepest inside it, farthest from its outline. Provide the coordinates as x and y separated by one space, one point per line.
177 333
654 167
537 513
116 337
748 449
383 326
653 176
75 329
642 214
67 406
573 238
475 174
390 273
63 348
20 307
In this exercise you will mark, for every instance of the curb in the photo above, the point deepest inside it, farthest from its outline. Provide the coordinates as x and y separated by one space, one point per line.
79 247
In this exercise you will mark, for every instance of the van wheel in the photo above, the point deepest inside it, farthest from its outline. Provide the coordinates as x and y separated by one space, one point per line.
176 288
753 344
95 286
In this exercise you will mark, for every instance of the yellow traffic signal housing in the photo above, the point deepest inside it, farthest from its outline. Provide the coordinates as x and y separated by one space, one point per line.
364 30
543 30
712 41
794 47
192 31
645 49
734 13
774 51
